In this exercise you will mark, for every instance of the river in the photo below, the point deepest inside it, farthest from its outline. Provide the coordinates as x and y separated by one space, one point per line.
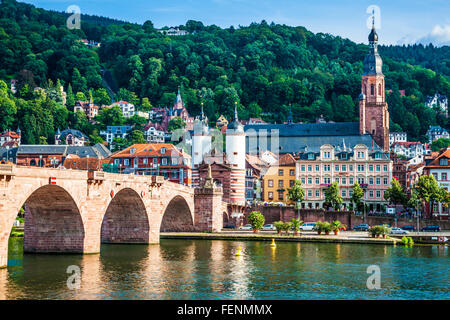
202 269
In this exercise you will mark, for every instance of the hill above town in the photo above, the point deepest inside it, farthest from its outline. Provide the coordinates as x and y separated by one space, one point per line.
267 68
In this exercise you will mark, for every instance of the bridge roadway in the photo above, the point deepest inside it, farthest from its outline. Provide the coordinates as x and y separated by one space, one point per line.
76 210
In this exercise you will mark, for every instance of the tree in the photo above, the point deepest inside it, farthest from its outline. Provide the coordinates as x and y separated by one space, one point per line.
358 194
256 219
333 197
428 191
70 99
176 123
137 137
146 105
395 194
101 97
8 108
439 144
111 116
80 96
296 194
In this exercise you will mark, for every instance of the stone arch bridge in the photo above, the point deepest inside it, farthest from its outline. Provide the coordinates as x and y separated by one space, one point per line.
75 211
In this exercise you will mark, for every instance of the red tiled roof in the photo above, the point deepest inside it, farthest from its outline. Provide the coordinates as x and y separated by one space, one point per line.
444 153
408 143
150 150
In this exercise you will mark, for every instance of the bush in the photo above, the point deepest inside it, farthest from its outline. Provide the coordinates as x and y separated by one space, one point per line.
326 227
296 224
287 226
378 230
256 219
319 226
407 241
279 225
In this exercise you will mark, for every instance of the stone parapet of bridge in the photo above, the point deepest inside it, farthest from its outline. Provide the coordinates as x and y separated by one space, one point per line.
76 210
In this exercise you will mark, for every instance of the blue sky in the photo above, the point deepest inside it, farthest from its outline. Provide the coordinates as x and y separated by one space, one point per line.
402 21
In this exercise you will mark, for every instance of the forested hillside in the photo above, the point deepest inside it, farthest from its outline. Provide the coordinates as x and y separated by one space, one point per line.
265 67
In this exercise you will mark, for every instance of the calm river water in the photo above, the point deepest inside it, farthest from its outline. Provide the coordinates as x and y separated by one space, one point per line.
201 269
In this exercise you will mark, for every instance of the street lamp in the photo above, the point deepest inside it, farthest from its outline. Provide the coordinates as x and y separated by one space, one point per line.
87 162
40 160
7 153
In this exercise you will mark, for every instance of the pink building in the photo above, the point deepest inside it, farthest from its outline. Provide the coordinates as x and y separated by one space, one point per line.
317 169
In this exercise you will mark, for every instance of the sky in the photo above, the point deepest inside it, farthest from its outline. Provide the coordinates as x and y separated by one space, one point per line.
397 21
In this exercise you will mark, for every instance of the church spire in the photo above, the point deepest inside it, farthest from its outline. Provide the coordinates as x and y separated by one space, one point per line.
373 64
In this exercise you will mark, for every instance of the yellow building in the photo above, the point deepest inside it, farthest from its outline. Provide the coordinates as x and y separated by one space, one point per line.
278 178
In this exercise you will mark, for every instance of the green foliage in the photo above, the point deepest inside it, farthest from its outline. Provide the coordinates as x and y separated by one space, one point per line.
429 190
379 230
296 224
407 241
278 225
337 225
111 116
296 193
256 219
333 196
287 226
395 194
357 195
176 123
439 144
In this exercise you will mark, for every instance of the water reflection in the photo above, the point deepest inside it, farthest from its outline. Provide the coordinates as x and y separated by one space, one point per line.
178 269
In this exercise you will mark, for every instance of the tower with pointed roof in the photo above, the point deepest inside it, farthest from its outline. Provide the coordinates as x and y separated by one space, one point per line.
201 146
235 150
373 109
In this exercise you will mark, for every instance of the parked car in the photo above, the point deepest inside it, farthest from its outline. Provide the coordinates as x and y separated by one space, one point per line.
246 227
307 226
409 228
431 228
361 227
269 227
229 226
398 231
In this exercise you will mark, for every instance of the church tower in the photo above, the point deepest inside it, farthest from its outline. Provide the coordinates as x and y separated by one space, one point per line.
201 146
373 109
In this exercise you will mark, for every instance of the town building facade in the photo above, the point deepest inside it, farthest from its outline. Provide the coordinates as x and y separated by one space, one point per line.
87 107
10 139
70 137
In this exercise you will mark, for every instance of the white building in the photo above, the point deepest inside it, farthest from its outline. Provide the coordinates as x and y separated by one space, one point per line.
152 134
438 100
173 31
201 147
397 137
128 109
436 132
410 149
115 132
439 167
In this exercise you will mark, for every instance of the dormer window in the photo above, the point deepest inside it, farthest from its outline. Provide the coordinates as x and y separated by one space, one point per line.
163 150
360 154
443 162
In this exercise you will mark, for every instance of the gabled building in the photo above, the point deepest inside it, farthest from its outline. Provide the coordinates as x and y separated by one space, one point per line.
436 132
278 178
115 132
162 159
128 109
439 166
397 137
88 107
10 139
439 101
153 133
71 137
410 149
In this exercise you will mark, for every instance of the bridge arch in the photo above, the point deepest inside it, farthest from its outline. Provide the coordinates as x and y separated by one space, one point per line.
125 219
53 222
177 216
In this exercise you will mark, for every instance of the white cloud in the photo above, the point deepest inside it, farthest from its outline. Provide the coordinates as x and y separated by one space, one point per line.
439 36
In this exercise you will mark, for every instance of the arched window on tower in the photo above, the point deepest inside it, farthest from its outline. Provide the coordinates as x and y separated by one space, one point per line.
372 89
365 90
379 89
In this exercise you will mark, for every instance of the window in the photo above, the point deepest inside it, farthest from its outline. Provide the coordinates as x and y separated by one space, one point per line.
309 193
309 167
378 194
344 167
350 180
444 176
370 180
379 89
117 162
302 180
336 180
336 168
303 167
270 195
360 154
280 172
372 89
378 180
360 167
327 180
377 155
280 183
361 180
344 193
309 180
145 160
163 150
344 180
378 168
317 193
350 167
292 172
310 156
280 196
291 183
443 162
370 167
385 168
385 181
155 160
164 161
350 193
326 167
317 180
344 156
435 176
126 162
270 183
371 194
174 161
317 167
